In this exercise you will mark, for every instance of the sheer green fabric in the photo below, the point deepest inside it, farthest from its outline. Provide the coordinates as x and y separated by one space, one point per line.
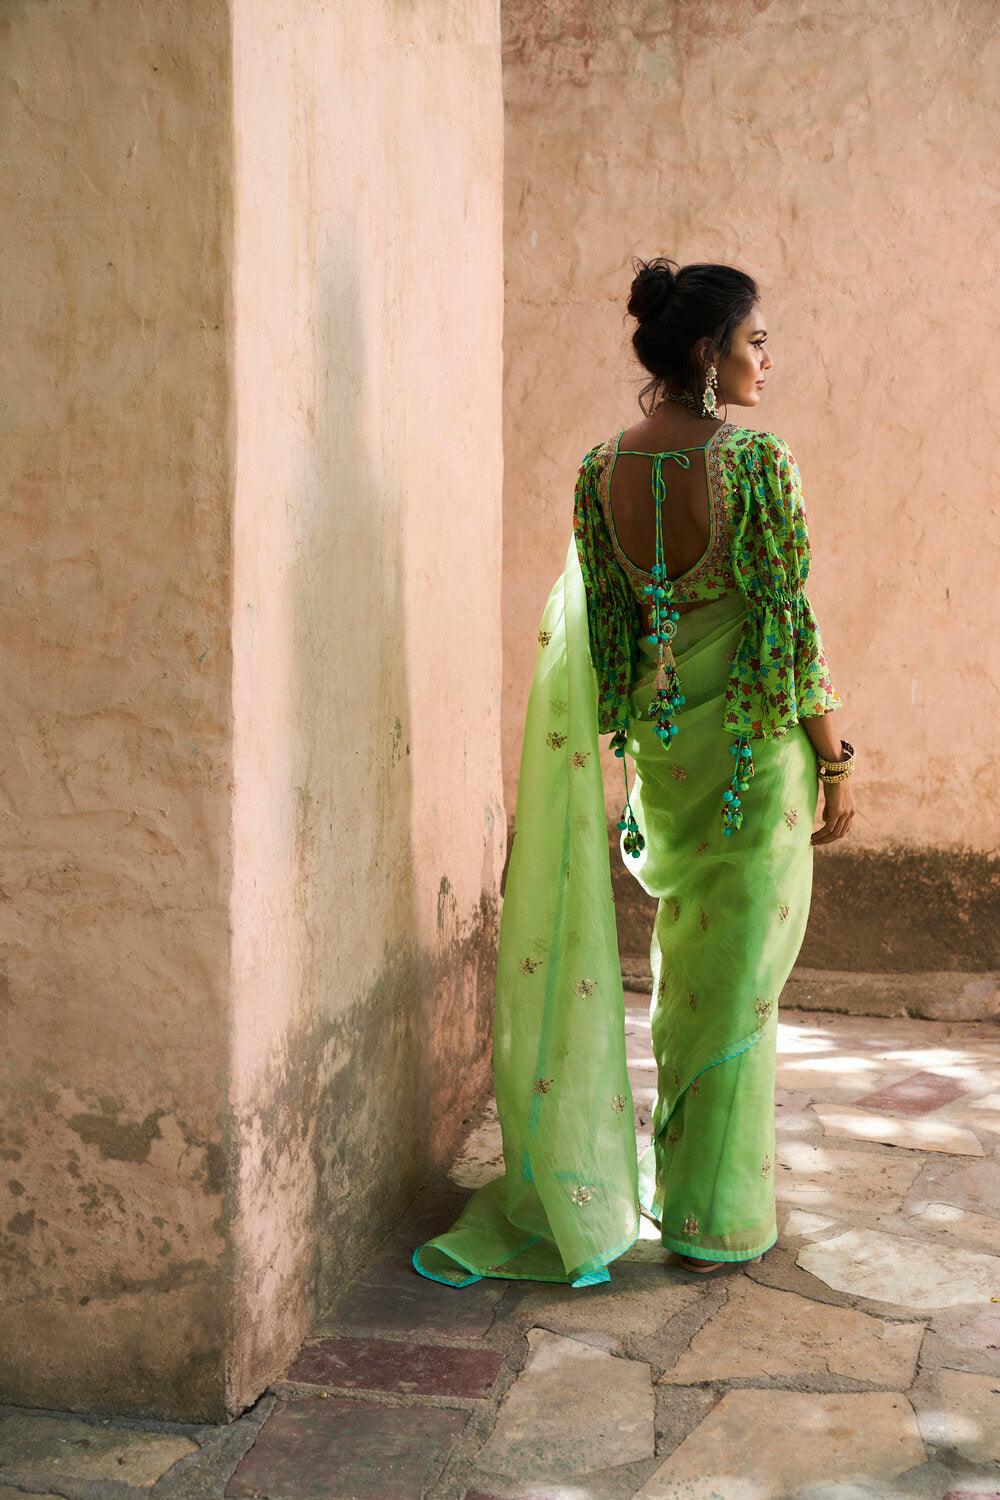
731 909
730 921
568 1202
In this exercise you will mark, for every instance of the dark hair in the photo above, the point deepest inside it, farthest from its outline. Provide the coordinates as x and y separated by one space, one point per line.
675 310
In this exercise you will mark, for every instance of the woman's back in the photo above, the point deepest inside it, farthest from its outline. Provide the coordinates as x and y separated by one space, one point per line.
688 529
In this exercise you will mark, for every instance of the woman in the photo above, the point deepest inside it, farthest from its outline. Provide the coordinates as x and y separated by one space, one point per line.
680 625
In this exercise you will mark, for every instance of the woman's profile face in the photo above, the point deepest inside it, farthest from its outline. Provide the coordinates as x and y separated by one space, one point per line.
743 371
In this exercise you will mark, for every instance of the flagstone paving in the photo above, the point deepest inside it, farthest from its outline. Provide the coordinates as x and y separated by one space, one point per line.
860 1360
916 1134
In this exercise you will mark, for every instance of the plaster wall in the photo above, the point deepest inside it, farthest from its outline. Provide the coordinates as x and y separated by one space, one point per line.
253 819
845 155
115 704
368 816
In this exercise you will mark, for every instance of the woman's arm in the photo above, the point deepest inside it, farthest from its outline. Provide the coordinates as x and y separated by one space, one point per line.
838 798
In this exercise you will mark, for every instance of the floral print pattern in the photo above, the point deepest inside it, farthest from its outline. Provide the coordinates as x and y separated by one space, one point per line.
761 545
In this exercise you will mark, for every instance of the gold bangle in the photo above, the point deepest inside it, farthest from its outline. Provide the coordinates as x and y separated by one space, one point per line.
836 765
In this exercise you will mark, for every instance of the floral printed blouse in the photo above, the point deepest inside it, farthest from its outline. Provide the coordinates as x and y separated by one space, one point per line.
758 543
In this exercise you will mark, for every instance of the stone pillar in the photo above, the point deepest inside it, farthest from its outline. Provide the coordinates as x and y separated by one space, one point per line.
252 819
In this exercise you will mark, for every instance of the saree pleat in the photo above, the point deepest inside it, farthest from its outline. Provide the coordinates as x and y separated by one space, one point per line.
730 919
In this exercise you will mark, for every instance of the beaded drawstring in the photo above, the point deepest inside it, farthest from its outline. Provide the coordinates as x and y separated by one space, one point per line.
667 695
732 815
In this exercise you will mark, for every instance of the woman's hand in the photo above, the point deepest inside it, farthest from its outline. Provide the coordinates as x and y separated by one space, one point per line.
838 812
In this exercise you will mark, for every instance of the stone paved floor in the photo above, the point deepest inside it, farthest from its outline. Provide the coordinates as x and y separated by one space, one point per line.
860 1360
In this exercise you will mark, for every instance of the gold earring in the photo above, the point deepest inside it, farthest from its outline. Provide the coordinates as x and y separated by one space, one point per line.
708 397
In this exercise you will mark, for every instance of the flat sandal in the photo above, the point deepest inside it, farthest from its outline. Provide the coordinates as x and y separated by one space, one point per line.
704 1267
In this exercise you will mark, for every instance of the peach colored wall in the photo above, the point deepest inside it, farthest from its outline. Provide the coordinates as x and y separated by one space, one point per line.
368 815
845 156
253 823
116 661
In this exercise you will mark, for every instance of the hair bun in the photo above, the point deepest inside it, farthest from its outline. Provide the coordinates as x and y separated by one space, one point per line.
651 288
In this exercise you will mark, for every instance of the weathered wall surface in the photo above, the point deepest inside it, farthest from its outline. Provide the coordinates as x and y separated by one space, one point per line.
368 817
253 821
116 668
844 155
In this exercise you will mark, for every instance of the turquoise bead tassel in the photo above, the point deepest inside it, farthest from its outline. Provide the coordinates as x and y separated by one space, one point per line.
633 842
667 696
732 810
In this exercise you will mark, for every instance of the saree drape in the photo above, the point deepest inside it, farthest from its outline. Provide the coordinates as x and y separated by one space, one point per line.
731 910
568 1201
730 920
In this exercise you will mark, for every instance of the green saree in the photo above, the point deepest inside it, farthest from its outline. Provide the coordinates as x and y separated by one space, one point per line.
732 876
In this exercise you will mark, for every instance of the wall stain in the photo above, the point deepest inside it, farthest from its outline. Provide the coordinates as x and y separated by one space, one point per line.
119 1141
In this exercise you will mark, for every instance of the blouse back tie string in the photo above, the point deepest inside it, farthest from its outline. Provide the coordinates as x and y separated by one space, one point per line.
667 695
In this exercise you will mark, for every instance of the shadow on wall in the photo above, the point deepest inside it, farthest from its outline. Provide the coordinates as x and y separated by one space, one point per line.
388 1038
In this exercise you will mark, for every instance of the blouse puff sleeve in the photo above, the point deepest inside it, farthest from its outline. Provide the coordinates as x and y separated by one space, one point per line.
780 672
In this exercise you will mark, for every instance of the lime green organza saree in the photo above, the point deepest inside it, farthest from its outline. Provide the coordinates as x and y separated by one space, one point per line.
732 907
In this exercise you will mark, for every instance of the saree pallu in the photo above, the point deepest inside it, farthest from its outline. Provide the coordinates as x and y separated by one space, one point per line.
567 1203
730 920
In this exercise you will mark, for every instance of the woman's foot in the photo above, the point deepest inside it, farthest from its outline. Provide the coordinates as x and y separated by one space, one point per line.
691 1263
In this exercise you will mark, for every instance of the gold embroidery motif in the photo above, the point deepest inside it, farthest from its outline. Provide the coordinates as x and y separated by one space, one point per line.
702 918
693 1090
677 907
544 636
791 816
701 848
613 896
498 1266
783 911
691 1225
529 965
678 773
618 1103
542 1085
586 987
557 706
579 759
765 1169
555 739
692 999
672 1137
582 1194
581 822
661 988
763 1009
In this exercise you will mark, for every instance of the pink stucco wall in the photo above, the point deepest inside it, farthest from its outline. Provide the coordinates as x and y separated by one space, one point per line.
368 818
844 155
252 810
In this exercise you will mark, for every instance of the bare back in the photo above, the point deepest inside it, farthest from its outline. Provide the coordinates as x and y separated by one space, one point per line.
686 518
